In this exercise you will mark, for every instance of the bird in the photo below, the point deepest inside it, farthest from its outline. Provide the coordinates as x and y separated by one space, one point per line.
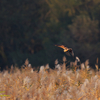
66 49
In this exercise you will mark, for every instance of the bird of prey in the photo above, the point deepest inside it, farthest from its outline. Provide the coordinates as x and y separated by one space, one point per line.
66 49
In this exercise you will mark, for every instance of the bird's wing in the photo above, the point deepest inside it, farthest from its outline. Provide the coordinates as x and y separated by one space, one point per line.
72 53
62 46
67 53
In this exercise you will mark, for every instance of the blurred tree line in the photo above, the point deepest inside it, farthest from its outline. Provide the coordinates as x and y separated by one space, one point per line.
31 28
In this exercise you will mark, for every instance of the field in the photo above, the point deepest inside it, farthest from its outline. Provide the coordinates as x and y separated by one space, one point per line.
73 82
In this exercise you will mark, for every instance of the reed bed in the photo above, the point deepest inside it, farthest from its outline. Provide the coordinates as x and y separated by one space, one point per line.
73 82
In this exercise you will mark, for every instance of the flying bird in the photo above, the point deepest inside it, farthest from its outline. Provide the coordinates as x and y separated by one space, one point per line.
66 49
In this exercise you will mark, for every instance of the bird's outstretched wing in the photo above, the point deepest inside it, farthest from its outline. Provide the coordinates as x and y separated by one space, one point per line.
63 47
66 49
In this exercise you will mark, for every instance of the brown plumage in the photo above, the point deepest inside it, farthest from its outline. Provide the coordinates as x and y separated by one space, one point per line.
66 49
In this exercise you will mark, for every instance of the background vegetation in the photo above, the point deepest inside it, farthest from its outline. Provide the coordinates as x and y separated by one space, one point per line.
59 84
31 28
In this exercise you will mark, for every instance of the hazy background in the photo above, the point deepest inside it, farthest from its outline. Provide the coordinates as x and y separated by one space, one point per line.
31 28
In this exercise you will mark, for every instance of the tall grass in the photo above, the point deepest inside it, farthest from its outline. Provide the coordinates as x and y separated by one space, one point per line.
73 82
